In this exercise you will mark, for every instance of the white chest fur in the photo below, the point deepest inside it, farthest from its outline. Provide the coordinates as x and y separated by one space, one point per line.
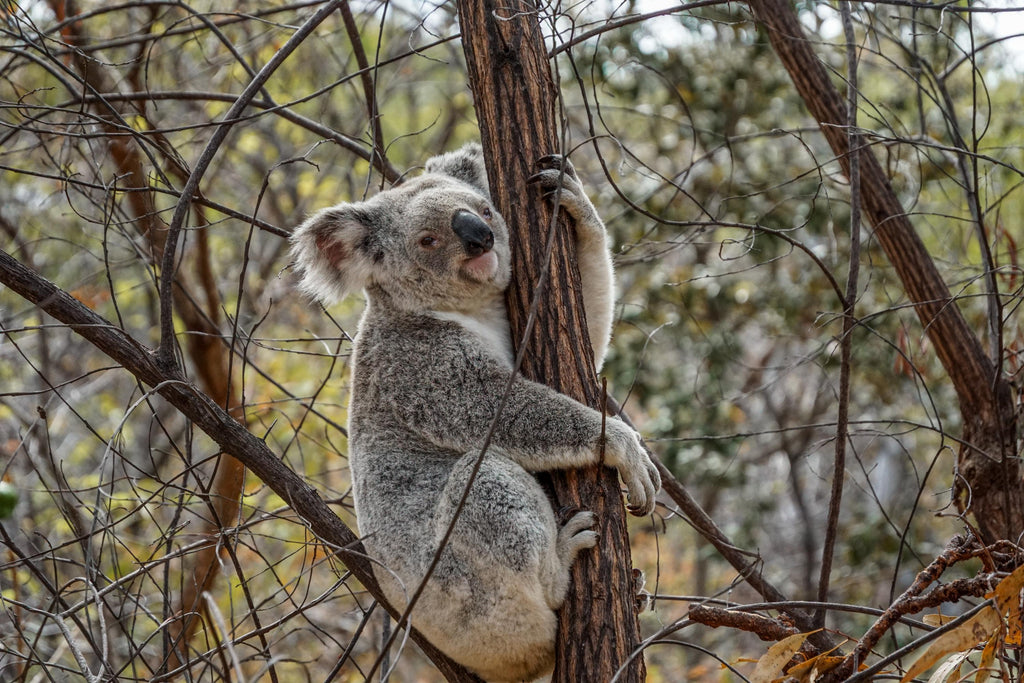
490 326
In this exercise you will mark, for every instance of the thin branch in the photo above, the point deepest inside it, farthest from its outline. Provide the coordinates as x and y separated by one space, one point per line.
849 320
621 22
218 424
369 81
165 352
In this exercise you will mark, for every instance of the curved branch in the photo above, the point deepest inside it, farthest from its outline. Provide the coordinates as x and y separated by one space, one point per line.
165 352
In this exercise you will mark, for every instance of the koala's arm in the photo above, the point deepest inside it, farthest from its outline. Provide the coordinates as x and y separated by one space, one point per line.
595 263
452 398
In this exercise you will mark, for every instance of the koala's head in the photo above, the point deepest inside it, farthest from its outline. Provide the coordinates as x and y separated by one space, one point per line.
431 243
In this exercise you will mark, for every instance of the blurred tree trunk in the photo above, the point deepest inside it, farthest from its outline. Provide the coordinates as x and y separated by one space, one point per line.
222 427
989 472
514 96
210 357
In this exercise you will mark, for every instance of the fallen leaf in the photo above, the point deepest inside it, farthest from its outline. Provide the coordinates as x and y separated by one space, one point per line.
950 669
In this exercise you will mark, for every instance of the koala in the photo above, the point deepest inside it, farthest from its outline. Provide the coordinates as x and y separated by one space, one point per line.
431 364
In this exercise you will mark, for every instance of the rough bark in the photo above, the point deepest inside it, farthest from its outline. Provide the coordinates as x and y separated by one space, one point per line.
219 425
989 469
514 96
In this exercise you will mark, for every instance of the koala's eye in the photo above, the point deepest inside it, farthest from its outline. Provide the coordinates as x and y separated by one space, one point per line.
486 212
429 242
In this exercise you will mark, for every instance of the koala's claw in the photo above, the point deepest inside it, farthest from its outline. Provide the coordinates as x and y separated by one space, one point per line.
567 189
565 513
626 453
548 179
578 522
643 490
577 534
556 162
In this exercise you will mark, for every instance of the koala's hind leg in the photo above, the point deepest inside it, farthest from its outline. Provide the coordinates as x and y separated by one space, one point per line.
489 607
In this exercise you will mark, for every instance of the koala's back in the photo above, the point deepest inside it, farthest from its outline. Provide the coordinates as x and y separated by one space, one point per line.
397 473
403 397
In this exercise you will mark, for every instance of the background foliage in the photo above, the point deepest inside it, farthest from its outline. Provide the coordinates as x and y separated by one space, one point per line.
731 219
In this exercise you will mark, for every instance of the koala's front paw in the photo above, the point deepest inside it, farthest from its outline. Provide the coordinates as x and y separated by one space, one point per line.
625 452
556 162
557 171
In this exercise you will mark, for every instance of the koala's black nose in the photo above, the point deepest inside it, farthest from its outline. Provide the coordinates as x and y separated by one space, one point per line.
476 235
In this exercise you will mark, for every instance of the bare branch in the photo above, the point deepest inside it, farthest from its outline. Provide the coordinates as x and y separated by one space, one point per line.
217 423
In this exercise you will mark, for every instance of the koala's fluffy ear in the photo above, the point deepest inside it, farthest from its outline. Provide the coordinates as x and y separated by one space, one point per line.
465 164
332 252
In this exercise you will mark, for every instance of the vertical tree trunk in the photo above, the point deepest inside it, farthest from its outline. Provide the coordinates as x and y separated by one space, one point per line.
989 478
514 98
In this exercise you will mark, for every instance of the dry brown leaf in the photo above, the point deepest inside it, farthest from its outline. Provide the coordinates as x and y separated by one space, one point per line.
805 672
772 663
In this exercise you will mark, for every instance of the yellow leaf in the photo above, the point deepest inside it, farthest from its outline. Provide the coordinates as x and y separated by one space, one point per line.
1008 602
1007 593
963 638
988 656
771 664
936 619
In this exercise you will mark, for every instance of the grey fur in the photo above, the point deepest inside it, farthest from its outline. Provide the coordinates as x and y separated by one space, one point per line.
431 362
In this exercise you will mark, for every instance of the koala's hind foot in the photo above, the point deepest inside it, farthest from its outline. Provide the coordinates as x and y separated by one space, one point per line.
573 536
644 600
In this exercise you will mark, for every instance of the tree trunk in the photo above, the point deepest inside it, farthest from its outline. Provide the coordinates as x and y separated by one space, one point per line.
989 481
514 97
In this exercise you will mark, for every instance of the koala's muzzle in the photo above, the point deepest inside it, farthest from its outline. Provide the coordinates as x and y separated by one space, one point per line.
476 235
